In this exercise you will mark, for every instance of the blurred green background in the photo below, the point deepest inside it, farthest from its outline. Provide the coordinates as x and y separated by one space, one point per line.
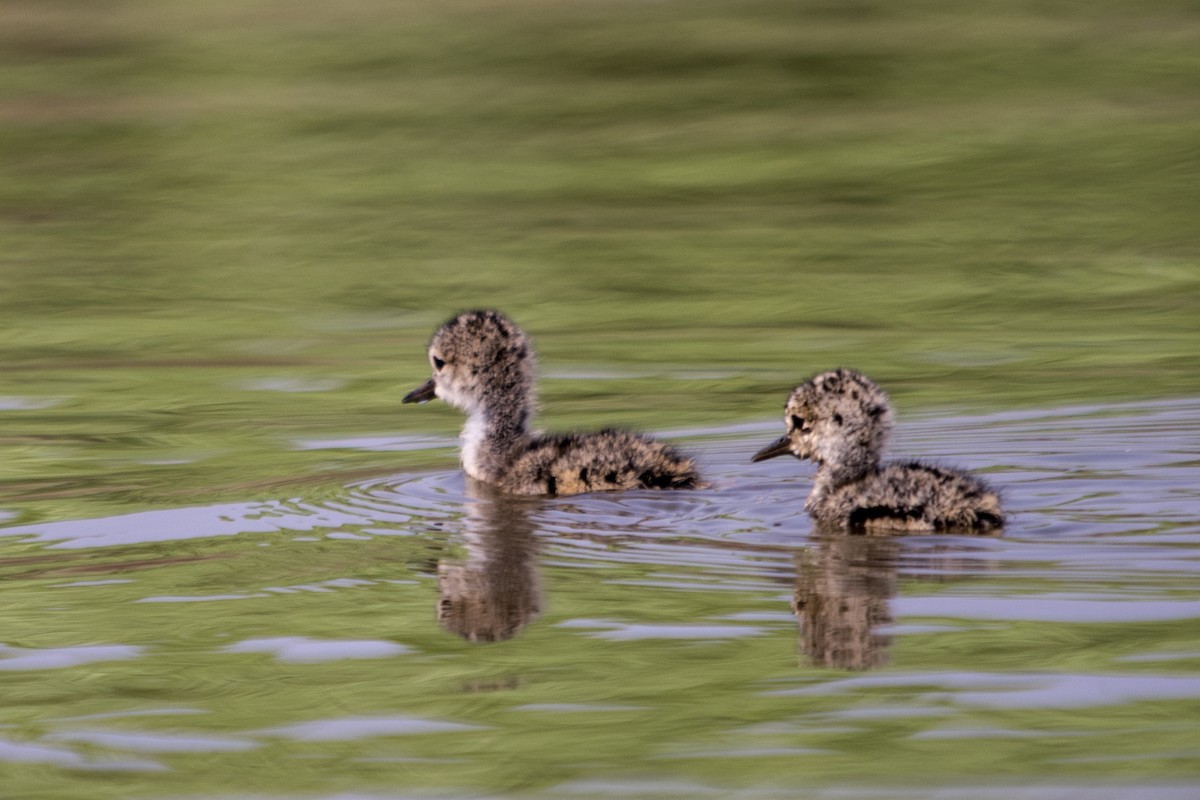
229 226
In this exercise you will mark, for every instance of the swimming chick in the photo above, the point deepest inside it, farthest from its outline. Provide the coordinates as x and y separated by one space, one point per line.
841 421
483 365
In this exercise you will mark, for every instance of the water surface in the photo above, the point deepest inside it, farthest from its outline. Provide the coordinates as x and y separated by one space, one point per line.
413 635
232 567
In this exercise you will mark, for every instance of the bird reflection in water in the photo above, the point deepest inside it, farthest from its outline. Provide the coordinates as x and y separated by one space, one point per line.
843 588
842 595
495 591
845 585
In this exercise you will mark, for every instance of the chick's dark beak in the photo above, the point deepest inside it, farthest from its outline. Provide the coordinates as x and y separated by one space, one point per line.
422 394
779 447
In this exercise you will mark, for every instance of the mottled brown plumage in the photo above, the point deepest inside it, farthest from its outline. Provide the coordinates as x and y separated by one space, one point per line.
841 421
495 591
483 364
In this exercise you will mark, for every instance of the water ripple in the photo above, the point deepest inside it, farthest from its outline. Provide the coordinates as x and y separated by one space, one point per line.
16 658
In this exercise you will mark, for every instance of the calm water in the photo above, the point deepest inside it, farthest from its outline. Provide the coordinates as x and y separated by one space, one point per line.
227 230
412 636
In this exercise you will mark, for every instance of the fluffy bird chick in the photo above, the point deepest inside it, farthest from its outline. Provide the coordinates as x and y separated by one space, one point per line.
483 364
841 420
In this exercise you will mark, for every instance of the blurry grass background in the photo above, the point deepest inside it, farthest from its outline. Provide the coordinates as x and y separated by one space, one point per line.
226 225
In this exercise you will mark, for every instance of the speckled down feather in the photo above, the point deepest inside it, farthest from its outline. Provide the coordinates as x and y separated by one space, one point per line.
483 364
841 421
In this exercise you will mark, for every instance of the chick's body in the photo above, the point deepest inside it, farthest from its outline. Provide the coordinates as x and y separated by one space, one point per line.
841 421
483 365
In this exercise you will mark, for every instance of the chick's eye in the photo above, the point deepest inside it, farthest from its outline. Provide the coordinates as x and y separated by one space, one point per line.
437 362
797 422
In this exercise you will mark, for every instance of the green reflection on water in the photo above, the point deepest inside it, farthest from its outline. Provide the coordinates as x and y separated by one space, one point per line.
987 205
228 227
696 709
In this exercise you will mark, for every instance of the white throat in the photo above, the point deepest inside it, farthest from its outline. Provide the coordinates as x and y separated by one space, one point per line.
473 434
